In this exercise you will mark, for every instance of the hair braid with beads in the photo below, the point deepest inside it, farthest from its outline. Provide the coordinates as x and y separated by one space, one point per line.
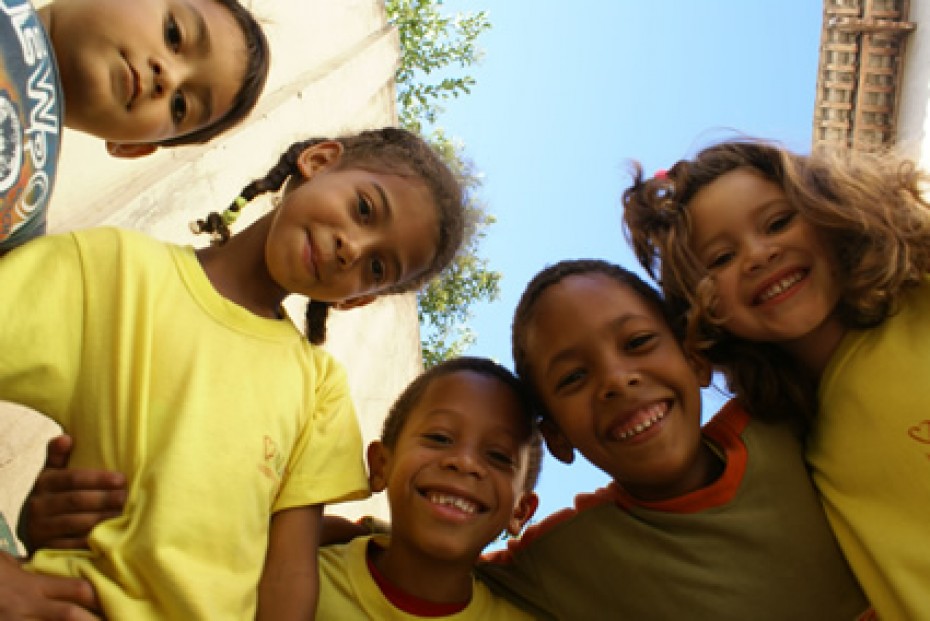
388 150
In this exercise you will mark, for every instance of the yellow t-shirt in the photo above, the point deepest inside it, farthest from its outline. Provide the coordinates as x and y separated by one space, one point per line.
349 593
218 418
869 452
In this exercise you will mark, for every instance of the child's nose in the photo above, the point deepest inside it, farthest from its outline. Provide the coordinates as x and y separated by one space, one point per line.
760 253
465 461
348 251
165 77
617 381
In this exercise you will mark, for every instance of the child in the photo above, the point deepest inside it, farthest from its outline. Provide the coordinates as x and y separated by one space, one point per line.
459 464
176 368
806 280
138 74
722 523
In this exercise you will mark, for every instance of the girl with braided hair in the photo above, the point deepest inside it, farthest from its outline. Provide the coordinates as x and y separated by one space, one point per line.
178 368
391 151
806 280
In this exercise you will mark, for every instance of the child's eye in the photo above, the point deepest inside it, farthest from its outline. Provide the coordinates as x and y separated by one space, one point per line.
437 438
377 270
501 458
569 379
178 107
364 209
781 222
172 34
640 341
719 260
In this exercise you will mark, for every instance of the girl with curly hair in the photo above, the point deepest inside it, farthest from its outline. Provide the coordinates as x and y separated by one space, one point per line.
805 280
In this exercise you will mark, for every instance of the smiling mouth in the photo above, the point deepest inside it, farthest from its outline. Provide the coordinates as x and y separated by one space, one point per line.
134 86
640 421
780 286
312 257
459 503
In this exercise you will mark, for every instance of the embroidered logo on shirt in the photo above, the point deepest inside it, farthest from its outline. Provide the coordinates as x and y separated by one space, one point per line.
272 464
920 432
271 458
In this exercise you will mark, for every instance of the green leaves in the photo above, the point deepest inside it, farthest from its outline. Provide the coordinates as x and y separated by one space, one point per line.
433 46
432 43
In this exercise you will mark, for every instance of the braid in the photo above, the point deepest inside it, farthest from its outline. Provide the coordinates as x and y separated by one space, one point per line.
217 224
316 321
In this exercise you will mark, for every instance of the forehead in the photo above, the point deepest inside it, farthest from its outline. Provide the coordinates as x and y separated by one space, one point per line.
740 189
482 403
583 308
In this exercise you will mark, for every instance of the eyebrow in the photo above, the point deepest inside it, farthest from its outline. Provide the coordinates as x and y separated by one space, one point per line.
388 216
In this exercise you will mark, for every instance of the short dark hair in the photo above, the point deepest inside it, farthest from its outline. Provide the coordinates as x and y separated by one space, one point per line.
258 59
410 397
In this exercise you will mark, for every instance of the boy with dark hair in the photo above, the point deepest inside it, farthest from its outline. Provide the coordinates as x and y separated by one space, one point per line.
459 458
713 522
140 75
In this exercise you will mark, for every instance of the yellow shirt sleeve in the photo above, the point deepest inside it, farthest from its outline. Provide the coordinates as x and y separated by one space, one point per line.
41 324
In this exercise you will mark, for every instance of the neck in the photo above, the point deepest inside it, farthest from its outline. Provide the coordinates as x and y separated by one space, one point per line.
238 271
424 577
815 350
706 467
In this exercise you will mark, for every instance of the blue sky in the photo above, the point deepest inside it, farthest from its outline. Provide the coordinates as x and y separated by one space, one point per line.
568 93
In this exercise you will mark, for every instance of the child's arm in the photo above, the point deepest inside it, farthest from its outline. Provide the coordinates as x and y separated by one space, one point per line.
289 586
337 529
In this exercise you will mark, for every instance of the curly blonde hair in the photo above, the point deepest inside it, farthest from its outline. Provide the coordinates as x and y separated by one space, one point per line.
869 207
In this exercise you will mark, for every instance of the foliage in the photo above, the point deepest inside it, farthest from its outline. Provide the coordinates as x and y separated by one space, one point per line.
432 43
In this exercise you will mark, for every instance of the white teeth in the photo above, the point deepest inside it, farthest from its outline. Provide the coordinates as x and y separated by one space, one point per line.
780 286
461 504
656 413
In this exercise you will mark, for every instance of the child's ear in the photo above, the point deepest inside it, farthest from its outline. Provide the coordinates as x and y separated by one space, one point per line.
522 512
355 302
701 367
556 442
318 157
378 457
130 150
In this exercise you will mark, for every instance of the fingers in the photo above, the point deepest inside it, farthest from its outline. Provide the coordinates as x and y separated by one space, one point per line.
68 591
43 598
63 519
52 481
58 451
64 505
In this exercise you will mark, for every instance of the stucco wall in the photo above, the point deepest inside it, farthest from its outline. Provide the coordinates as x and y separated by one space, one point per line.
332 71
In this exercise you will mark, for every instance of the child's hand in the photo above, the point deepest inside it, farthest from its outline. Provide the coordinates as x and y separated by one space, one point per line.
337 529
64 505
24 595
